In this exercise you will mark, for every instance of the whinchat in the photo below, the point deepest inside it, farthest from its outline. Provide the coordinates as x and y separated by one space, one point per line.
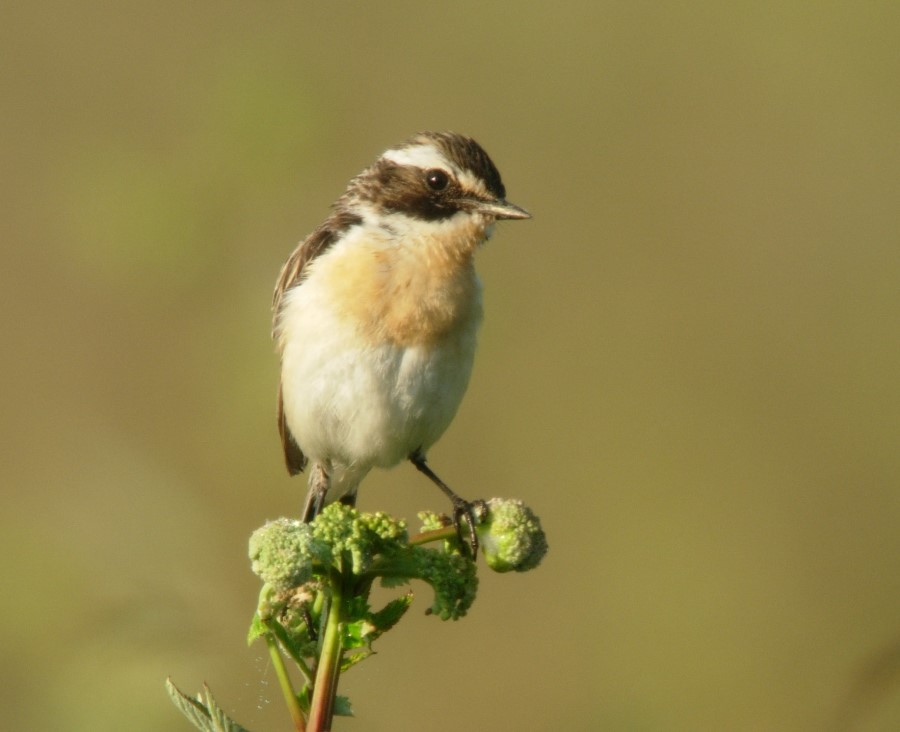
376 315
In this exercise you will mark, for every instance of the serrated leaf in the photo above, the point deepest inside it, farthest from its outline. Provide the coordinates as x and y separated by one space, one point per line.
351 659
223 722
208 717
390 614
356 608
257 629
358 634
193 709
342 706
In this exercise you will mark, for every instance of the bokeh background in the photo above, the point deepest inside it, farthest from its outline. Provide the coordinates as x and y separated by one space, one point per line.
689 365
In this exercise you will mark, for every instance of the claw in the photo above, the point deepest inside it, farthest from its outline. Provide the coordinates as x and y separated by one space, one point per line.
471 511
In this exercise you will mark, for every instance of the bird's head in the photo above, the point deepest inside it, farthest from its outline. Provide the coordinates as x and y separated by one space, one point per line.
435 179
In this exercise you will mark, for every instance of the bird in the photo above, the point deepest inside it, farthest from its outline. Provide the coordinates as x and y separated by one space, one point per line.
376 313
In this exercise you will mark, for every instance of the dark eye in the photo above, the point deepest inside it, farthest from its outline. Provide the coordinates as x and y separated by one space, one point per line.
436 179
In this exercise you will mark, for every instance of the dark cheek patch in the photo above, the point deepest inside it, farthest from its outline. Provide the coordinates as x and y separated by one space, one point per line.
407 192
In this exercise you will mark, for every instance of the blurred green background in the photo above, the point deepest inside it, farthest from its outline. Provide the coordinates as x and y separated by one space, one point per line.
689 365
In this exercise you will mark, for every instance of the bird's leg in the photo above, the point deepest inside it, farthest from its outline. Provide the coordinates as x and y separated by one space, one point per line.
319 482
461 507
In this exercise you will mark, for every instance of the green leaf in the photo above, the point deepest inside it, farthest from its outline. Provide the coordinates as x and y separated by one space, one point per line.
193 709
342 706
303 698
356 643
390 614
208 716
257 629
349 660
356 607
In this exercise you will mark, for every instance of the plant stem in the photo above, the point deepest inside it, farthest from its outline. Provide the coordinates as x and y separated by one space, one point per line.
425 537
278 631
321 708
284 681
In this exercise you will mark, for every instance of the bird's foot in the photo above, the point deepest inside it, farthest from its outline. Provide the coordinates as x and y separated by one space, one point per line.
471 513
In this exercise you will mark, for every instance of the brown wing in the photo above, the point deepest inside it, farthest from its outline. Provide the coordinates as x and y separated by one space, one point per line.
292 275
293 455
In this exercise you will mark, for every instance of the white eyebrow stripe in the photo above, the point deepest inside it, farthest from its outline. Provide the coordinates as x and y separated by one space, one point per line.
419 156
428 156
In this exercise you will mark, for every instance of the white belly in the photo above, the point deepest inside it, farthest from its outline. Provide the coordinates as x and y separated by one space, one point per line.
352 405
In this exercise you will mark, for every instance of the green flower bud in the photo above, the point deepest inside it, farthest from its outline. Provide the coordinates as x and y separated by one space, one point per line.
511 536
353 540
283 552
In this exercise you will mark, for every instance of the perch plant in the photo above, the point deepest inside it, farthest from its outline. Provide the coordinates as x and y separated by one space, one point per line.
314 608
